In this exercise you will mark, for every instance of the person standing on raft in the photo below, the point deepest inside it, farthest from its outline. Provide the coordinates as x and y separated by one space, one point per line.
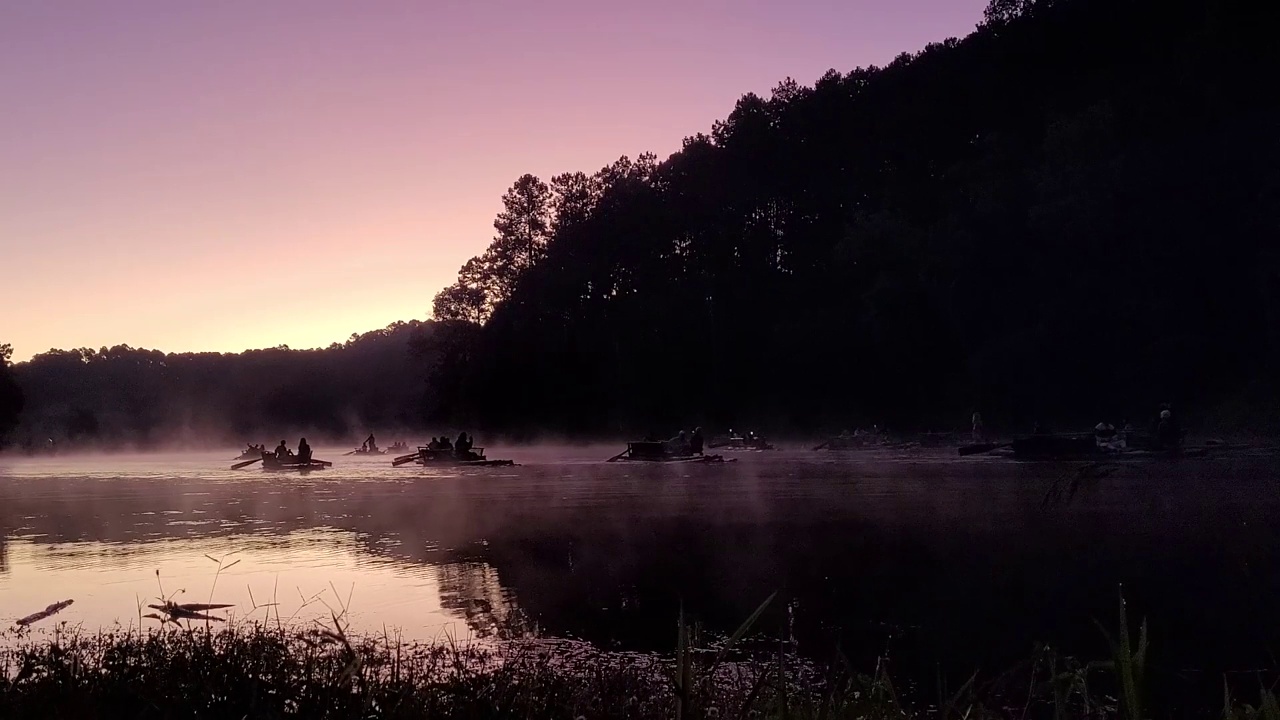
678 445
979 431
1168 431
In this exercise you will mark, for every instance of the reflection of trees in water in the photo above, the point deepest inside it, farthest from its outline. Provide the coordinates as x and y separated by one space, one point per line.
474 590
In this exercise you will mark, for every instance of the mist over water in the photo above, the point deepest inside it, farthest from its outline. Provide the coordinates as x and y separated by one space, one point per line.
959 562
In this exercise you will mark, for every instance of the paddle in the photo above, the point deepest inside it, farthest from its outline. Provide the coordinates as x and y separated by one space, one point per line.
617 457
404 459
980 448
246 463
819 447
324 463
353 452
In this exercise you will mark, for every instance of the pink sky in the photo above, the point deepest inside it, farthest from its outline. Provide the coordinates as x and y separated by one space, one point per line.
246 173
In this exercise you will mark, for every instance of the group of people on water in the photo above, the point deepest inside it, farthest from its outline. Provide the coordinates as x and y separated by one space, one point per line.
685 443
461 448
285 455
1107 437
1168 433
370 447
859 433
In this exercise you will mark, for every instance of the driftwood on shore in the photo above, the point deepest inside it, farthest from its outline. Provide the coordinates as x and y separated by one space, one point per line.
53 609
173 612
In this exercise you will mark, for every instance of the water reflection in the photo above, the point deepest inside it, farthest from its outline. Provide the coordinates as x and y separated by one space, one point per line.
473 590
113 541
307 573
964 562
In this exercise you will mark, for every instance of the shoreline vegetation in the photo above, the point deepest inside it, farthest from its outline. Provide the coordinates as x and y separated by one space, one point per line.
195 668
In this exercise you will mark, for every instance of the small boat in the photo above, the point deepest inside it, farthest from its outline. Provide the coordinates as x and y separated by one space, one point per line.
863 441
431 457
249 453
1084 446
657 451
367 451
1055 447
941 439
269 462
397 447
740 443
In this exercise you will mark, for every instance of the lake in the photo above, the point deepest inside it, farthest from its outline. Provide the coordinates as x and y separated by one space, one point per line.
942 561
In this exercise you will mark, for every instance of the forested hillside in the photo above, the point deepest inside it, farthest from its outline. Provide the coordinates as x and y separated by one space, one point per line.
125 396
1072 212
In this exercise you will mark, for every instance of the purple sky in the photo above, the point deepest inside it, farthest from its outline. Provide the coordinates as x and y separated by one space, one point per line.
245 173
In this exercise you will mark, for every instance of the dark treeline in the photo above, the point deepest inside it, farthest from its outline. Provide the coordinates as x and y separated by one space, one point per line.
1070 213
126 396
12 399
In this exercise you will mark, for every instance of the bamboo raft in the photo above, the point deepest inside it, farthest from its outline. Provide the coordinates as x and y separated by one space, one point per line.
656 451
430 457
740 444
851 443
846 442
1084 447
270 463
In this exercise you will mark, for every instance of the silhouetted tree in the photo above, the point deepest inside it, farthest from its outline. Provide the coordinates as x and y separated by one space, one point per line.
999 12
11 398
1062 215
461 301
523 228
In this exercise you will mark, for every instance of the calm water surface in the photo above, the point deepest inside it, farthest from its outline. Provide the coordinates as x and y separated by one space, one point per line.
946 561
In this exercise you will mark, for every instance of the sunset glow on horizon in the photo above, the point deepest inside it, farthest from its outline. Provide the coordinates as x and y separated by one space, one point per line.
242 174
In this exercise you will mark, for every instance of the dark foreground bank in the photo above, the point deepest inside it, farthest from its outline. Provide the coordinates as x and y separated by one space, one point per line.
261 671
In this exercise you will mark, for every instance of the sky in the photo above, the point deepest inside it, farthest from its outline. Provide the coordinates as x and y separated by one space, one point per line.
250 173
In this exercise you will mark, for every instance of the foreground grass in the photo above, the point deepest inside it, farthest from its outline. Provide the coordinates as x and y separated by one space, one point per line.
261 672
264 672
256 671
271 671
